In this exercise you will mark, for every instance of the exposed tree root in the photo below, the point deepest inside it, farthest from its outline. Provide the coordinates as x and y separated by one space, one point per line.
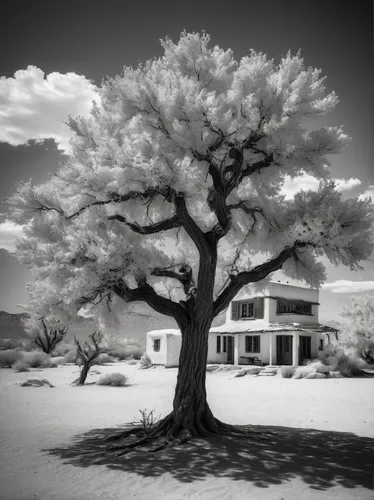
167 433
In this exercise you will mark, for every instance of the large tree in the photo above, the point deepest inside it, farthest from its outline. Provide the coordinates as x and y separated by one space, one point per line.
173 192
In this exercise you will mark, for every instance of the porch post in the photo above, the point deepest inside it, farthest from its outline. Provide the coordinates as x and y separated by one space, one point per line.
271 348
236 349
295 349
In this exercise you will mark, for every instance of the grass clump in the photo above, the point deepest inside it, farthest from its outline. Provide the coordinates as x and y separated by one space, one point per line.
20 366
287 371
113 379
9 357
37 359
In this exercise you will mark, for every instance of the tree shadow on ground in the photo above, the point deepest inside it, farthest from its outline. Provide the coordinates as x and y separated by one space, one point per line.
322 459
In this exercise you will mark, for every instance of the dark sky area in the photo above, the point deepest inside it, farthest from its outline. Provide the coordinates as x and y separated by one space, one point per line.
98 38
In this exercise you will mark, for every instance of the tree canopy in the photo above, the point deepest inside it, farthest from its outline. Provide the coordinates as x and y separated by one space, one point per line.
179 167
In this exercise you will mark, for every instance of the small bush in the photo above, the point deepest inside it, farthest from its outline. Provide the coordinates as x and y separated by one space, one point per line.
61 350
103 358
70 356
145 361
303 371
20 366
253 370
10 343
287 371
113 379
9 357
351 366
124 352
146 421
37 359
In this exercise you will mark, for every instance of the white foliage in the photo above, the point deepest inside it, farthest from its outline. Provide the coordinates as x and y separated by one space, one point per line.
156 126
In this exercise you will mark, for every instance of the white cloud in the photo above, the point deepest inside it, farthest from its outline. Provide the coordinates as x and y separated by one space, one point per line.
369 193
345 286
307 182
8 234
35 107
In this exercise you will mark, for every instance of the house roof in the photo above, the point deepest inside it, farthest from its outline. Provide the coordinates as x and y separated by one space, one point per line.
261 326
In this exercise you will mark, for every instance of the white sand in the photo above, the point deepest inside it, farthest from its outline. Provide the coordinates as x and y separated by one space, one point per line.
295 464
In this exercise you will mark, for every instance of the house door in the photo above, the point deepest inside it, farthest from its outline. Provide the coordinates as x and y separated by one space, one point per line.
305 348
230 350
284 349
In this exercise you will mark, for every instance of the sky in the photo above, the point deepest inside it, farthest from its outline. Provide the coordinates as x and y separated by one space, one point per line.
55 53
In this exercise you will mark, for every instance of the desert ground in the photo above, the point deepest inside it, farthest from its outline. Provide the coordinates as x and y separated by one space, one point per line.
52 444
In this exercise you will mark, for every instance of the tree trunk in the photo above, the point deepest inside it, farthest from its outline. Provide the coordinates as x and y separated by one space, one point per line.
84 372
191 412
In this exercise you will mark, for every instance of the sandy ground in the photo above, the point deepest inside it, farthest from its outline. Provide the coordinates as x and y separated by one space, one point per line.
51 445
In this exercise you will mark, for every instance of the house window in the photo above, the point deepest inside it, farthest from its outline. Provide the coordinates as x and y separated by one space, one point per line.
246 310
156 345
320 347
252 343
293 307
218 344
224 349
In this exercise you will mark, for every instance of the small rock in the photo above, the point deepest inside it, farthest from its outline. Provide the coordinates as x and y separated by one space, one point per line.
35 382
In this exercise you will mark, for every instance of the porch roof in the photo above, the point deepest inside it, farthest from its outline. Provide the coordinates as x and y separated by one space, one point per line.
244 327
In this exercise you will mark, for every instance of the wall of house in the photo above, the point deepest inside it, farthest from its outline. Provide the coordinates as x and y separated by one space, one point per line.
264 347
157 358
292 292
213 356
173 343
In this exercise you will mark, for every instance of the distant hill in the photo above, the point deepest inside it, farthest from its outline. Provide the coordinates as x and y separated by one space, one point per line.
134 326
11 325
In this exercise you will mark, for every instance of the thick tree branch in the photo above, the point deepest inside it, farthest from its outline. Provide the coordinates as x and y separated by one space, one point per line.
256 167
192 229
254 275
145 293
183 275
157 227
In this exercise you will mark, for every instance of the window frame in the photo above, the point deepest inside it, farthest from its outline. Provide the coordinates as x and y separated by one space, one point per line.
247 304
294 307
253 344
156 345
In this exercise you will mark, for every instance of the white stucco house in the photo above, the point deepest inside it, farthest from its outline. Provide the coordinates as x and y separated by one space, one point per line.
278 327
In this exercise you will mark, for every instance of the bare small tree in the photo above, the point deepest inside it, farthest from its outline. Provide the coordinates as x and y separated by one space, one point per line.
48 338
87 354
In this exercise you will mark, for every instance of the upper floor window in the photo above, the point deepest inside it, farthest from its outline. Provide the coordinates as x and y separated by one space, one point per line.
246 309
293 307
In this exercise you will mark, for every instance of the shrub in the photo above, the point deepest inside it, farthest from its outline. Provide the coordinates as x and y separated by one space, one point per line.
70 356
10 343
9 357
37 359
350 365
303 371
253 370
62 350
113 379
124 352
20 366
145 361
131 362
104 358
287 371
